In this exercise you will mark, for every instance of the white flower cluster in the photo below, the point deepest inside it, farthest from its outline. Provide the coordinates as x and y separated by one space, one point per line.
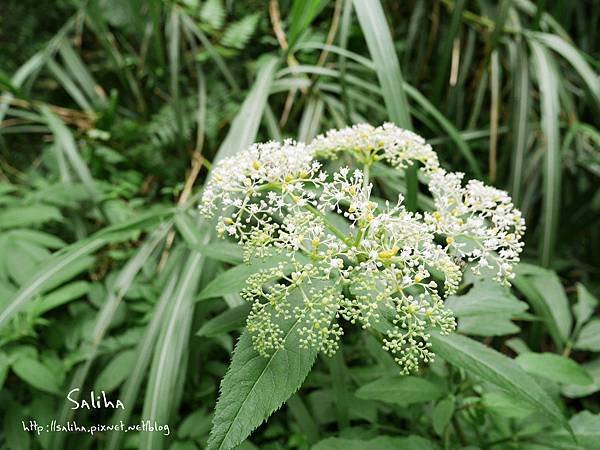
349 255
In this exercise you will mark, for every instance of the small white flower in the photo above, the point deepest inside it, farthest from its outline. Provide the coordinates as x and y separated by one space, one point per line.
277 198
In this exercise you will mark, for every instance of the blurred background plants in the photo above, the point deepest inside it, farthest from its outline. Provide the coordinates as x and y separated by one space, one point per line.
111 113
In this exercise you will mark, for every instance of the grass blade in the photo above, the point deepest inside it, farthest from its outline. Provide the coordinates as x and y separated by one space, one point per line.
520 114
65 139
549 108
381 47
574 57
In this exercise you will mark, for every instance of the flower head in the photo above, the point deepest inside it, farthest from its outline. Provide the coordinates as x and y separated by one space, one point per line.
349 254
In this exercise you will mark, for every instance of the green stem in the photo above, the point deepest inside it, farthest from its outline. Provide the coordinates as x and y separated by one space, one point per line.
315 212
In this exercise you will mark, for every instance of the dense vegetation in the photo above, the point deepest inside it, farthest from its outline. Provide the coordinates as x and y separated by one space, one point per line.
111 115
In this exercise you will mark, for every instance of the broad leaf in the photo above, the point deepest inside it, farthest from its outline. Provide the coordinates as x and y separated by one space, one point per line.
497 369
36 374
255 386
576 391
589 338
554 367
441 415
584 308
543 290
401 390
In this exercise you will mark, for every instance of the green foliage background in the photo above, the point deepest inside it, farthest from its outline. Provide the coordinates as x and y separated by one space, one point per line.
111 113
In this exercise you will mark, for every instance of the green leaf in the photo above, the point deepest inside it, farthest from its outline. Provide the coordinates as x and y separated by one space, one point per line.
400 390
378 443
486 309
234 279
574 57
255 386
228 252
441 415
381 47
485 297
577 391
520 115
61 296
36 374
589 338
585 306
137 375
487 325
497 369
498 402
4 366
170 356
39 237
116 371
22 216
244 127
543 290
587 429
213 13
446 125
547 78
301 16
230 320
554 367
65 139
64 263
237 34
195 426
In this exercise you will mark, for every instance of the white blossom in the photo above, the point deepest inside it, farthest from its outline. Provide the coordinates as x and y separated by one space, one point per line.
377 264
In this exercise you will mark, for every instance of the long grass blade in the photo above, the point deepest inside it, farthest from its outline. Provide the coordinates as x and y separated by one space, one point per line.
381 47
520 116
547 79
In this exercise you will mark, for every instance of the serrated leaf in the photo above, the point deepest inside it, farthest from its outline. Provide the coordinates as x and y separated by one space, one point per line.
238 33
255 386
497 369
400 390
554 367
213 13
